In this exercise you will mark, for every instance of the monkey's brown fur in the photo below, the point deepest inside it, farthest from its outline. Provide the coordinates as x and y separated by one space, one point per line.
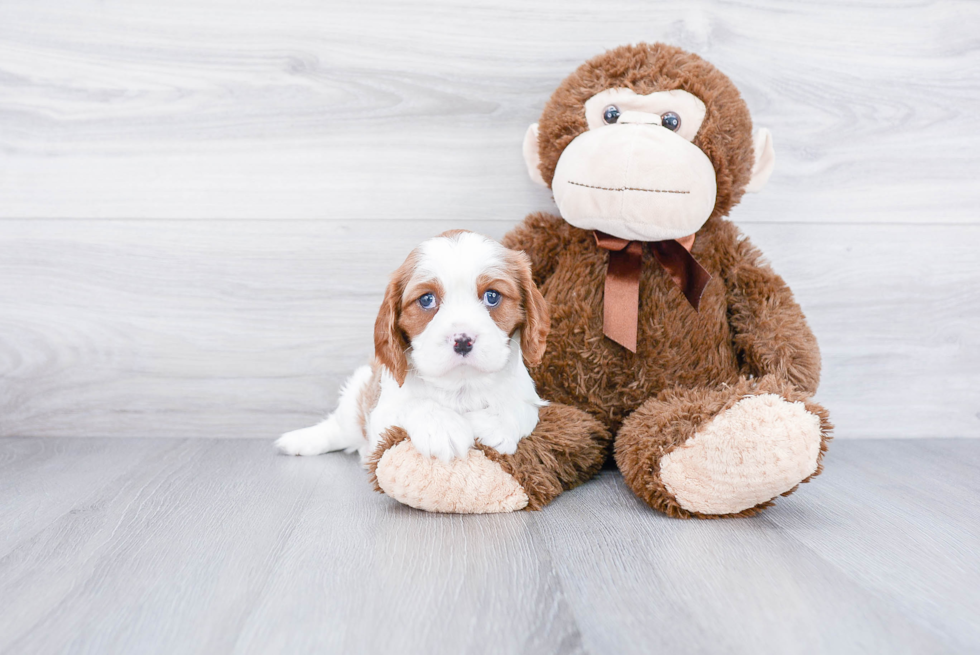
749 337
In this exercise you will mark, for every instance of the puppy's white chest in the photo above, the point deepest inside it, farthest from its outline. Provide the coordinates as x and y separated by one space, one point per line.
467 401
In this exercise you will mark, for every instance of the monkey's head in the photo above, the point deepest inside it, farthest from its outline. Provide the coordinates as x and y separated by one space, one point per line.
647 142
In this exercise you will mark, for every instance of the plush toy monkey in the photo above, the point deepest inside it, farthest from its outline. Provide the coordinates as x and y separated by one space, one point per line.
669 330
667 324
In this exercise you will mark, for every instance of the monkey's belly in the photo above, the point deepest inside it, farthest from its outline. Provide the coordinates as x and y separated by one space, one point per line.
584 368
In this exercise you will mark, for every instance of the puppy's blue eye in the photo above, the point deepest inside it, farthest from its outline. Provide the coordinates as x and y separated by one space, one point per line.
428 301
491 298
611 114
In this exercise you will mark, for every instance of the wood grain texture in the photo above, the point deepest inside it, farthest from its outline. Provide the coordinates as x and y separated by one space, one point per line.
416 110
247 329
205 546
49 477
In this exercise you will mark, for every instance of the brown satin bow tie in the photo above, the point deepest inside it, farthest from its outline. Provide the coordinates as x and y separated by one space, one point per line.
621 303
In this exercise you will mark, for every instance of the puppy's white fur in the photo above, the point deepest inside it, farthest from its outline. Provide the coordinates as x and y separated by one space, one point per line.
445 400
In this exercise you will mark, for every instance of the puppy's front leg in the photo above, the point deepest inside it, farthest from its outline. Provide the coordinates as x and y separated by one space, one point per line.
436 431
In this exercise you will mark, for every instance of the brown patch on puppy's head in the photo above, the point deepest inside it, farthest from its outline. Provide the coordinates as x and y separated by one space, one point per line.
402 317
536 323
449 234
390 342
414 318
509 314
725 135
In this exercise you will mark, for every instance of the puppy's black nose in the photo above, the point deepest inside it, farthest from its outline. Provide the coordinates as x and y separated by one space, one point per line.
462 344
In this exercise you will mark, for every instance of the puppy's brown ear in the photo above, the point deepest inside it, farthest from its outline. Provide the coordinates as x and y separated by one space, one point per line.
390 343
534 332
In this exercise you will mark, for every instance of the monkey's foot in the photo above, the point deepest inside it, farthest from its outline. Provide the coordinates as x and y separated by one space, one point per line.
466 485
758 449
566 449
727 451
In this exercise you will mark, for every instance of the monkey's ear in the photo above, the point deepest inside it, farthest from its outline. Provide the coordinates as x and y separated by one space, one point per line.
531 156
765 159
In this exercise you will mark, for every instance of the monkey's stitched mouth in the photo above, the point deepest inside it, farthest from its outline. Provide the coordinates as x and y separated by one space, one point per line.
625 188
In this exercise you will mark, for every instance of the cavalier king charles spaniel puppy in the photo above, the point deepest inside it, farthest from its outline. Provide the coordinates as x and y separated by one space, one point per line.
459 321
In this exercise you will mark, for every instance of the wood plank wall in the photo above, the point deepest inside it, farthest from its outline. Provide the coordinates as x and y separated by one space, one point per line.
200 199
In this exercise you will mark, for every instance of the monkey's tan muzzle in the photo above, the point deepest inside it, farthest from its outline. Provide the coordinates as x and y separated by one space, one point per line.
635 180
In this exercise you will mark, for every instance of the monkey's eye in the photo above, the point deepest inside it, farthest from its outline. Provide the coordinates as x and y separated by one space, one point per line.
611 114
427 301
671 121
491 298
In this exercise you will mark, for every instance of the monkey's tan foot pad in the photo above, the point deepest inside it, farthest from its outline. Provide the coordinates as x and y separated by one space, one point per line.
761 447
468 485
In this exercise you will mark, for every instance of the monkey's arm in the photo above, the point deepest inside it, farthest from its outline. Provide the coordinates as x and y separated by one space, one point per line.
770 333
543 237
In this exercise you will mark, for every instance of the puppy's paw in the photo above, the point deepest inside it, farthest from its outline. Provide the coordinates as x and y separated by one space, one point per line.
313 440
438 432
490 430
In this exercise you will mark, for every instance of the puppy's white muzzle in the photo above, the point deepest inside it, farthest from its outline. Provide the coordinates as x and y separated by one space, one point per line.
462 337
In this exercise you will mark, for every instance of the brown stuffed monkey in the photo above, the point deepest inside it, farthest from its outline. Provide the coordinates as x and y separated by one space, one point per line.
670 334
668 326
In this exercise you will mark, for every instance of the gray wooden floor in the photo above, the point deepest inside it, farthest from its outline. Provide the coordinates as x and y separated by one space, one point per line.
215 546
